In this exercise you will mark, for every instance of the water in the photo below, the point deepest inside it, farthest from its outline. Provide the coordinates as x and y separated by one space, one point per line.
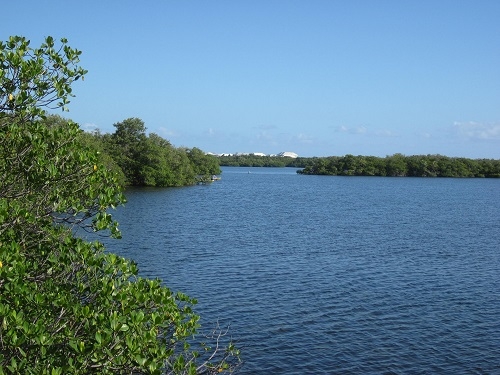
332 275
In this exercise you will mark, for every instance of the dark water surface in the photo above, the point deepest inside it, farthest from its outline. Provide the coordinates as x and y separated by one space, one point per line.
332 275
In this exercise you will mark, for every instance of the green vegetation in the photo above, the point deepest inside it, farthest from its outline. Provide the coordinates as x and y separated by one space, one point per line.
252 160
149 160
137 159
394 165
66 305
399 165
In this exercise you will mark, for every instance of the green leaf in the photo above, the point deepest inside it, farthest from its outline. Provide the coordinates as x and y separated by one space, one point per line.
65 303
140 360
124 328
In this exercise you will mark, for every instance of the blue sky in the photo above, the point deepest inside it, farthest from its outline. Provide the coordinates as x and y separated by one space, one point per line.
314 77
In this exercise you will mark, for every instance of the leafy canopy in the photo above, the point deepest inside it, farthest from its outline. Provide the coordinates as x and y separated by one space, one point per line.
66 305
150 160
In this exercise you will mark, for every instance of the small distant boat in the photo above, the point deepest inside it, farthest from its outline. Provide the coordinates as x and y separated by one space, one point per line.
206 179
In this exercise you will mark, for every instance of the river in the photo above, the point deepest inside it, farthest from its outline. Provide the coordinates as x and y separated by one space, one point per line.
331 275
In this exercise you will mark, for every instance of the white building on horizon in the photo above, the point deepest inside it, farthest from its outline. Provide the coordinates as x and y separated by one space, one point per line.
288 154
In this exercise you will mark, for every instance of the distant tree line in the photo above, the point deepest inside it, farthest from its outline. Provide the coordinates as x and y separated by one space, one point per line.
252 160
399 165
138 159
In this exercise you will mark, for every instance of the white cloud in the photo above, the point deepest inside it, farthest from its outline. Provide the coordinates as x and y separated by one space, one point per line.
385 133
351 130
164 132
363 130
474 130
264 136
266 127
209 132
360 130
88 127
425 135
303 138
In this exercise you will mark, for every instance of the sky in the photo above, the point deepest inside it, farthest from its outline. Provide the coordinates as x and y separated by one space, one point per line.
314 77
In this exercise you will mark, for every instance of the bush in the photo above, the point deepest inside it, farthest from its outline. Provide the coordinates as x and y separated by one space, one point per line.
66 305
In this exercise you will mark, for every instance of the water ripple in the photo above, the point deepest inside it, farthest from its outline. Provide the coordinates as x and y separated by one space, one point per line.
332 275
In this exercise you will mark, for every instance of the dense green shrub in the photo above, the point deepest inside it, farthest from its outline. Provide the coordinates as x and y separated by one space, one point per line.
66 305
399 165
150 160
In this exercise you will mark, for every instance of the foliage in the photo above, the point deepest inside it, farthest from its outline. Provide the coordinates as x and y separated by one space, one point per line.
150 160
203 164
66 305
129 140
252 160
399 165
31 79
94 141
394 165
